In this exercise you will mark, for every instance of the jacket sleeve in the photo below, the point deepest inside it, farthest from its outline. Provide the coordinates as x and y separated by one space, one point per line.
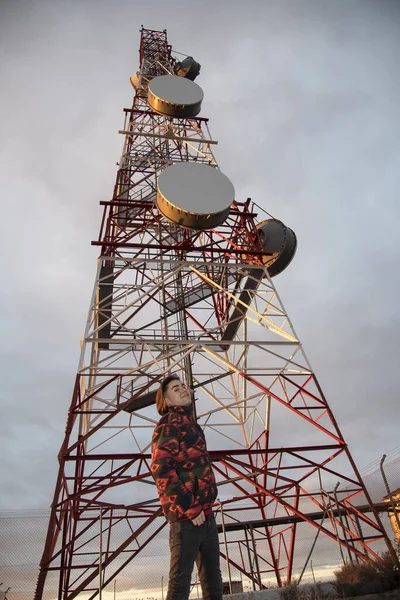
174 495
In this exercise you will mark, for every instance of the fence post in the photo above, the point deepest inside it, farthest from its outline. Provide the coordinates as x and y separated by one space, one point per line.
341 521
101 553
226 549
392 502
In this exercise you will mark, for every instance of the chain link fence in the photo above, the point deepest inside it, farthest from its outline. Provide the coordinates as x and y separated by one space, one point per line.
22 537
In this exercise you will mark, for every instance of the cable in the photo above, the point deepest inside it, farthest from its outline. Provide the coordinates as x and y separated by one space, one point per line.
263 209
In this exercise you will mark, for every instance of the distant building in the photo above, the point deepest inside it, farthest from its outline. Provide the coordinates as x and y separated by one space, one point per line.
237 587
394 515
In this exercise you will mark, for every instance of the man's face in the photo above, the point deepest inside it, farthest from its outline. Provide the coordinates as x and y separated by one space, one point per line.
177 394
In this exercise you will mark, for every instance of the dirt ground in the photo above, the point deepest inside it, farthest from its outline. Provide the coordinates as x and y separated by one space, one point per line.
393 595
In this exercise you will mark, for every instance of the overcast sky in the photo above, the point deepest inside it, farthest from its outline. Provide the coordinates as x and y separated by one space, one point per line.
303 96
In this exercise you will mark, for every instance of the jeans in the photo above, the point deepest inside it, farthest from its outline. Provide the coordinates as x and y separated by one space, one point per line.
189 543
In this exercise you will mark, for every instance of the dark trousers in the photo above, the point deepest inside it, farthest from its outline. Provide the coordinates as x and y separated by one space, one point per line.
189 544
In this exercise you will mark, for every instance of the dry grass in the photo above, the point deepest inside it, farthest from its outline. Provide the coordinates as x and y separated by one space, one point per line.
368 577
393 595
367 580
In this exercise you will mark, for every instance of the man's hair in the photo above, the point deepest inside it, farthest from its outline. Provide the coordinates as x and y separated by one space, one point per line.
161 403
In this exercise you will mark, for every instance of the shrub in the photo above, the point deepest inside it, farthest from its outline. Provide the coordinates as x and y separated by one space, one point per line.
294 591
368 577
387 569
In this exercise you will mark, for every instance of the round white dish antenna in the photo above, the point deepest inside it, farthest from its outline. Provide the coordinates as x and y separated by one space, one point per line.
174 96
194 195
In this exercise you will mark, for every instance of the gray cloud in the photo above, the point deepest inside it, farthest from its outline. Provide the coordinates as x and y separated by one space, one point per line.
303 98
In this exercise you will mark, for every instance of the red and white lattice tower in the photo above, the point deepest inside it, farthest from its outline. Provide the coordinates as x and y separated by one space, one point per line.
199 302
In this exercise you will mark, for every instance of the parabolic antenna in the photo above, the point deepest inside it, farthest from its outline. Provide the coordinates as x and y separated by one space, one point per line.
188 68
194 195
135 80
281 241
174 96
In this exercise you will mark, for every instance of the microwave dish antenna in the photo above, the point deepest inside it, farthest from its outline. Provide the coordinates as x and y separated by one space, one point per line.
280 241
194 195
175 96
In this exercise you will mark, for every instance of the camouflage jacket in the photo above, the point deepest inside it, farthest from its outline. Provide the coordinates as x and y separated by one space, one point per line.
181 466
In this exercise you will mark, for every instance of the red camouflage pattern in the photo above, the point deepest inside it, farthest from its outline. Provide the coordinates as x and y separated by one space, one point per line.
181 466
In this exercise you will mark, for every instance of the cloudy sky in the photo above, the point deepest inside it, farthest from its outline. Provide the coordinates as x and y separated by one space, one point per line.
303 96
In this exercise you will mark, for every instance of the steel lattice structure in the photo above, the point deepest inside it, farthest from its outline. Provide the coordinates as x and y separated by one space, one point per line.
201 304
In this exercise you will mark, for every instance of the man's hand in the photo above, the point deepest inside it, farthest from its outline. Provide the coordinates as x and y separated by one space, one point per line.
199 520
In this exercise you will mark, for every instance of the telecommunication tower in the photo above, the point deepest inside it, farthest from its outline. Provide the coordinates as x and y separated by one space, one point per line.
184 284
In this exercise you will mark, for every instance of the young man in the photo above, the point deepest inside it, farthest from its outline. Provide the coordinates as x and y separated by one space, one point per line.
181 468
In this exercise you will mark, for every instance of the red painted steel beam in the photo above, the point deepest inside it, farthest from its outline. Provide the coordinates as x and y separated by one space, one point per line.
290 519
215 454
114 555
285 504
